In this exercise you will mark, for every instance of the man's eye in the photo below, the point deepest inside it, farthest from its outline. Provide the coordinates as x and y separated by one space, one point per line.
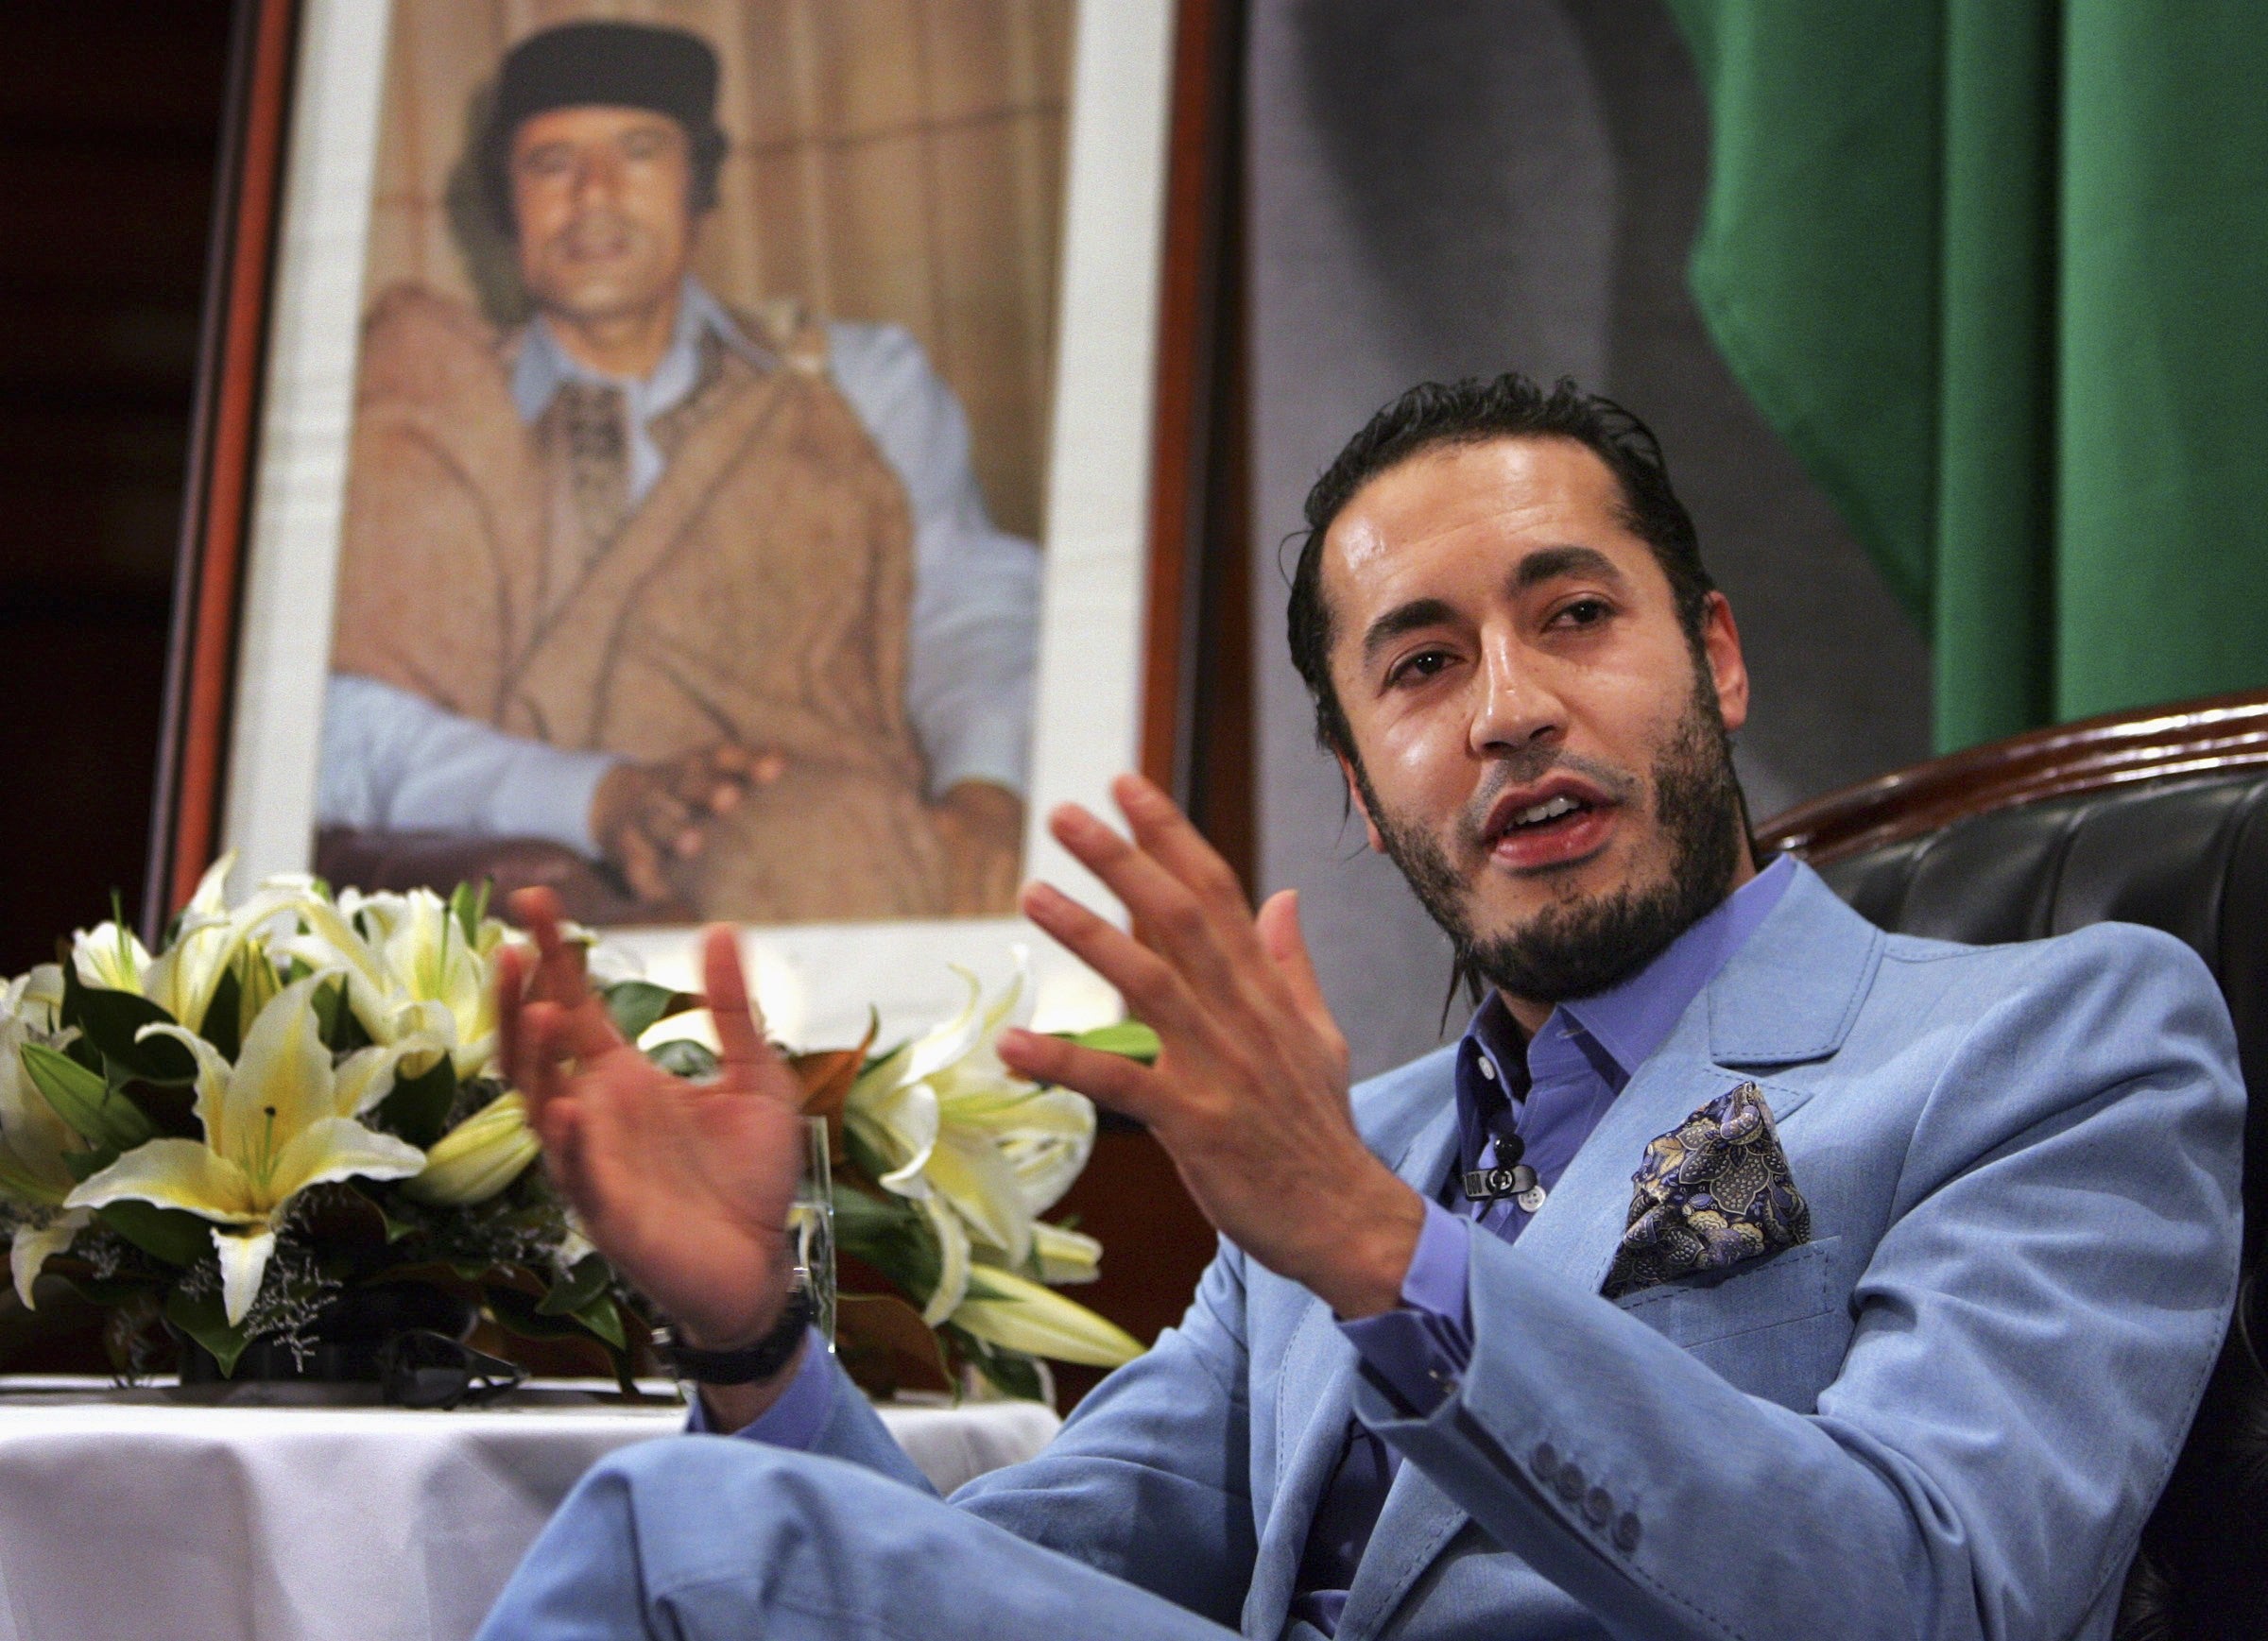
1583 612
1424 664
545 162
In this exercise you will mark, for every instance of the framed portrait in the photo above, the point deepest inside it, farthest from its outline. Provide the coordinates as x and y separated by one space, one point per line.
695 453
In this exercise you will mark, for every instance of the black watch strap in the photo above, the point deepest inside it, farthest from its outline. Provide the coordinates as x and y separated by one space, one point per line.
749 1364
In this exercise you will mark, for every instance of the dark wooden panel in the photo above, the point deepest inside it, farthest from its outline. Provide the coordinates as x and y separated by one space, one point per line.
110 116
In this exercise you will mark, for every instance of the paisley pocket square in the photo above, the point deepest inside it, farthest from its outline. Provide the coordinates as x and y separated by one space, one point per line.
1712 1192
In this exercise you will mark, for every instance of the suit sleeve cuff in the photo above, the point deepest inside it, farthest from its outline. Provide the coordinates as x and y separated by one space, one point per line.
1415 1355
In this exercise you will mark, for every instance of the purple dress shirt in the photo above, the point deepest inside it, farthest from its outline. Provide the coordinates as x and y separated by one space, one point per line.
1551 1092
1551 1095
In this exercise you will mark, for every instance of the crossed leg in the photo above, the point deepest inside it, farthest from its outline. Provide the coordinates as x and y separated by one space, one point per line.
707 1538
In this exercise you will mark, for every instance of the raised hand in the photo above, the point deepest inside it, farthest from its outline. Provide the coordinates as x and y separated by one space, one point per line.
684 1187
1248 1095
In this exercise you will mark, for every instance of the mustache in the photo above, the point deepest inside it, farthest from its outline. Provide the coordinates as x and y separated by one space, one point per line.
600 229
1523 767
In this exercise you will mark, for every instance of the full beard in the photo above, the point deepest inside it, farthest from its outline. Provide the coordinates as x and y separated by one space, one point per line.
1583 946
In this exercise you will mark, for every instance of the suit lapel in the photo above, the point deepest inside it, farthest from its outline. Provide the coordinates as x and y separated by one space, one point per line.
1786 996
1315 1402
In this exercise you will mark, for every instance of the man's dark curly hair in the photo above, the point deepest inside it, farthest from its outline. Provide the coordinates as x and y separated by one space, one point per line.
707 145
1433 416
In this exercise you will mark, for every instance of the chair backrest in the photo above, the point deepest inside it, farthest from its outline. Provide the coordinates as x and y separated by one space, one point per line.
2160 818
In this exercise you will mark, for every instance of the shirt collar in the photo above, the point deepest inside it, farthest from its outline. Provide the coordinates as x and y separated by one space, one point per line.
543 367
1626 1022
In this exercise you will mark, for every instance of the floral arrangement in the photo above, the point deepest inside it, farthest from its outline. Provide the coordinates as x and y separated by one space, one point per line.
297 1103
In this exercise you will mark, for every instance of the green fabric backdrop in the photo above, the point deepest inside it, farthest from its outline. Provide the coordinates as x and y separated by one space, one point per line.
1998 270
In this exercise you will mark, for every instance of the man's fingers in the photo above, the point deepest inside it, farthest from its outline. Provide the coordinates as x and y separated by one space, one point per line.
511 982
559 971
746 1054
1286 947
1167 914
665 815
642 867
1167 836
1152 986
1113 1079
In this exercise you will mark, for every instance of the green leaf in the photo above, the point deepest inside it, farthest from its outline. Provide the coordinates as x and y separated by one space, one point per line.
470 904
1131 1039
638 1005
892 1235
85 1165
1010 1371
603 1317
109 1292
170 1235
204 1320
93 1108
522 1314
418 1107
223 1023
578 1288
111 1021
683 1057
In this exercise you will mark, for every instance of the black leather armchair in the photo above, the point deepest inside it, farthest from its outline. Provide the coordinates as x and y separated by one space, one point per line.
2161 818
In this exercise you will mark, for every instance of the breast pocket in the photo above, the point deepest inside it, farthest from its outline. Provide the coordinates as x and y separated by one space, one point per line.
1775 1327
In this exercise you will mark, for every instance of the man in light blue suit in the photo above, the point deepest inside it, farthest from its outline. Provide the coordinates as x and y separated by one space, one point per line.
1743 1272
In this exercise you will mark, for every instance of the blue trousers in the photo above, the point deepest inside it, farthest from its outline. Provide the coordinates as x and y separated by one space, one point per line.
709 1538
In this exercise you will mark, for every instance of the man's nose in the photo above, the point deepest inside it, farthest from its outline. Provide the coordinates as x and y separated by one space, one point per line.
1514 706
596 176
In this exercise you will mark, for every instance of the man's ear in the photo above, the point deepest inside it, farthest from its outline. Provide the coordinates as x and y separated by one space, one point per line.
1354 796
1728 669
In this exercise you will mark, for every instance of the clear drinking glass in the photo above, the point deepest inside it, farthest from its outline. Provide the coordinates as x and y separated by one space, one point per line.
811 1229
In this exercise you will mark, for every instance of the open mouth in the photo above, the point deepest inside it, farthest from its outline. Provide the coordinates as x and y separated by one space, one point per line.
1563 824
1551 811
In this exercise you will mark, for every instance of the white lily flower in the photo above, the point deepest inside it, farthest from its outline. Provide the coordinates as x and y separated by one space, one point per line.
479 1156
1017 1313
183 979
952 1256
410 970
1066 1256
280 1120
33 1139
950 1120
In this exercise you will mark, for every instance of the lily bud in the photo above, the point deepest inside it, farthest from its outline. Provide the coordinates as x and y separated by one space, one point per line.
479 1156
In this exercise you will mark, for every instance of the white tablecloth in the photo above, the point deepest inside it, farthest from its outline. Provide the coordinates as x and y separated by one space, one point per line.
130 1516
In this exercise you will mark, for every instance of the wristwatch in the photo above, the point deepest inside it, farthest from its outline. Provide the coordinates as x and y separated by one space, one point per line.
746 1365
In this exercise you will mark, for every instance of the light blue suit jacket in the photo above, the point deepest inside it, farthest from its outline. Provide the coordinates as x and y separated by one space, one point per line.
1947 1415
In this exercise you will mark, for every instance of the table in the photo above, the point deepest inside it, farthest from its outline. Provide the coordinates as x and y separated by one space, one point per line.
131 1513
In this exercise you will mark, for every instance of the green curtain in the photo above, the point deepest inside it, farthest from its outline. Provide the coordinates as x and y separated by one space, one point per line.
1998 270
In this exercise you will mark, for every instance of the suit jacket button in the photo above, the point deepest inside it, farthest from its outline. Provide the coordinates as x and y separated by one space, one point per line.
1598 1505
1625 1533
1544 1460
1570 1482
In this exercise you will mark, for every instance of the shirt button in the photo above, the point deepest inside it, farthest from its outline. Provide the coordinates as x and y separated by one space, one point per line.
1599 1506
1544 1460
1625 1533
1570 1482
1486 1066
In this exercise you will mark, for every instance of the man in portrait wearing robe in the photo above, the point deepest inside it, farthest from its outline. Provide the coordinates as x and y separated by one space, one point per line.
709 595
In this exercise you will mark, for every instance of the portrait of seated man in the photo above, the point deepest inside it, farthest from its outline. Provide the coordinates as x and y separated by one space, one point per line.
709 595
1744 1268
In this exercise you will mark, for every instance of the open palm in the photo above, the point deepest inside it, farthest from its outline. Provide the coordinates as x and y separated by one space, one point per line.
684 1187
